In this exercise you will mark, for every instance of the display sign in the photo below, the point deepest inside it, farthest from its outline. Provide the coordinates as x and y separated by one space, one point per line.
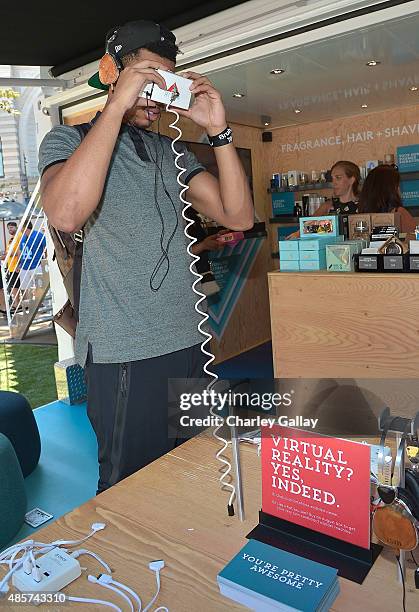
318 482
230 267
408 158
410 193
283 203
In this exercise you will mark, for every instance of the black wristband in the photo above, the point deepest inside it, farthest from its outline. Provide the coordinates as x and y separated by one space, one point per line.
224 138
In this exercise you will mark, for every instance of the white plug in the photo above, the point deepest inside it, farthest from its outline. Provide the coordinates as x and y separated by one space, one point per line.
156 566
52 572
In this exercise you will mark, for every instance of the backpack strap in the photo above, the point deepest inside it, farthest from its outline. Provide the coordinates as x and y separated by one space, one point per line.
82 128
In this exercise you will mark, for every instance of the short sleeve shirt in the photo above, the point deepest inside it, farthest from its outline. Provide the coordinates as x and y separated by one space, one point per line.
136 297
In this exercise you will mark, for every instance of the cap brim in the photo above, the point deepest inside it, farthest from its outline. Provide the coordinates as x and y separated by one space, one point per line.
95 82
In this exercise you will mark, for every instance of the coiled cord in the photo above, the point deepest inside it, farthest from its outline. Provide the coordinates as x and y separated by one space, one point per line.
226 467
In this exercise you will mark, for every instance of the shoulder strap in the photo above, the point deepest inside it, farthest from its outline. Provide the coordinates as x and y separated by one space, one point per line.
82 128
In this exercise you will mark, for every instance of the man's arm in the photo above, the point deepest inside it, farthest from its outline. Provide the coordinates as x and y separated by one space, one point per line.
227 200
72 190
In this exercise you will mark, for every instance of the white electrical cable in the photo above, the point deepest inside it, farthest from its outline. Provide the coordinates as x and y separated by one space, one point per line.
83 551
203 314
100 602
151 602
110 587
131 592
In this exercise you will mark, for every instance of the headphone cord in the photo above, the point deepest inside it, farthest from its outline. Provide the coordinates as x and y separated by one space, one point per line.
403 583
165 250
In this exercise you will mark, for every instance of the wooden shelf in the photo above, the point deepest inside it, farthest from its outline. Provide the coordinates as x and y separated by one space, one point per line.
308 187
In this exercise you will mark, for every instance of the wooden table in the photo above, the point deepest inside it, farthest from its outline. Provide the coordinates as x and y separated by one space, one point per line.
174 510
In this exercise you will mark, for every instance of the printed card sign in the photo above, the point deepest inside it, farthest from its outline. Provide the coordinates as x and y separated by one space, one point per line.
408 158
317 482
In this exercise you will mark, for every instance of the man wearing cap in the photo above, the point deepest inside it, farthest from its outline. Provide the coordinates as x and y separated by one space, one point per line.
137 321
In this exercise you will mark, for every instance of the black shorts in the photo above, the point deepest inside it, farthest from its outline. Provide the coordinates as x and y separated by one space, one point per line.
13 281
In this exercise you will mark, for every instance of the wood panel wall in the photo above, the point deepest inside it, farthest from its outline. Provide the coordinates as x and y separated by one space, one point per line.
363 137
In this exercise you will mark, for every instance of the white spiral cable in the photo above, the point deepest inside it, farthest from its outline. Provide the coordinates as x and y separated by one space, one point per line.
204 315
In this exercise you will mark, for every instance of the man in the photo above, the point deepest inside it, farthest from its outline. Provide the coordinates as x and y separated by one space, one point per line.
137 322
32 246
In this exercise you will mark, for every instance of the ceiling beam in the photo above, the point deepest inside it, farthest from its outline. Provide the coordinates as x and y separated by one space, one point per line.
24 82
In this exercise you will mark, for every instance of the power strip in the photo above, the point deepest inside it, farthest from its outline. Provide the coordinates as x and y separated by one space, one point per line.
56 569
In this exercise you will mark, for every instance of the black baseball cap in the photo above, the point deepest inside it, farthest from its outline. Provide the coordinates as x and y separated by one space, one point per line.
133 35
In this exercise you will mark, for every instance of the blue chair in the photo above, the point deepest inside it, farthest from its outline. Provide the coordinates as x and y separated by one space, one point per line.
17 422
13 501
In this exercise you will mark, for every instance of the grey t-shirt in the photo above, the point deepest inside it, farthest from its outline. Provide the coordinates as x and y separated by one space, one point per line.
121 317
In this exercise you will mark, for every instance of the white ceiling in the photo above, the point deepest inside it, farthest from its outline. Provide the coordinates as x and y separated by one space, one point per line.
327 79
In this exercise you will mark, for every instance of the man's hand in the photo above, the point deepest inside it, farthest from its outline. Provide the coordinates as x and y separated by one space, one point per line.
207 110
210 243
132 81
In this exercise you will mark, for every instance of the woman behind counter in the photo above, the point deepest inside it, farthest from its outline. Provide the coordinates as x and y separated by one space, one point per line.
381 193
345 180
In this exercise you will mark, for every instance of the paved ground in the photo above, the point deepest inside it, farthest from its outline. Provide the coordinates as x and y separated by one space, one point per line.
40 333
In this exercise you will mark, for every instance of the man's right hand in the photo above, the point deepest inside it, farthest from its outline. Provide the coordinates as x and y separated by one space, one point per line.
132 81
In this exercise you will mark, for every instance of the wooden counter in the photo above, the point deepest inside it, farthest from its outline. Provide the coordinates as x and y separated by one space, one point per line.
174 509
358 325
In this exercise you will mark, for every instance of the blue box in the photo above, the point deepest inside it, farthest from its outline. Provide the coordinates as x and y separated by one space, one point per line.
312 255
287 266
282 203
315 227
317 244
314 264
285 231
289 255
408 158
410 193
289 245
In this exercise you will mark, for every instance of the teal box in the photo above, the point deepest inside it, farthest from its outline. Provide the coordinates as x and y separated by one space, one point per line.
408 158
410 193
319 244
314 264
340 257
282 203
285 231
315 227
288 266
289 256
312 255
289 245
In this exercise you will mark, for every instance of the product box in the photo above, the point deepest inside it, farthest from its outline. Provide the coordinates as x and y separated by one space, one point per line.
363 220
410 193
319 263
408 158
288 266
380 219
339 257
313 227
289 255
317 244
282 203
414 247
317 256
289 245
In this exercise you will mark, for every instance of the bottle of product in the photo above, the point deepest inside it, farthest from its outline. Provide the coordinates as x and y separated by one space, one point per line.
298 211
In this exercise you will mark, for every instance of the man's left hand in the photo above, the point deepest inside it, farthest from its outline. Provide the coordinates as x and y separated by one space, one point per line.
207 110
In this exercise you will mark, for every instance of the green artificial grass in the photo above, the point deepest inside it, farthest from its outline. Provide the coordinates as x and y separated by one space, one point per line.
29 370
